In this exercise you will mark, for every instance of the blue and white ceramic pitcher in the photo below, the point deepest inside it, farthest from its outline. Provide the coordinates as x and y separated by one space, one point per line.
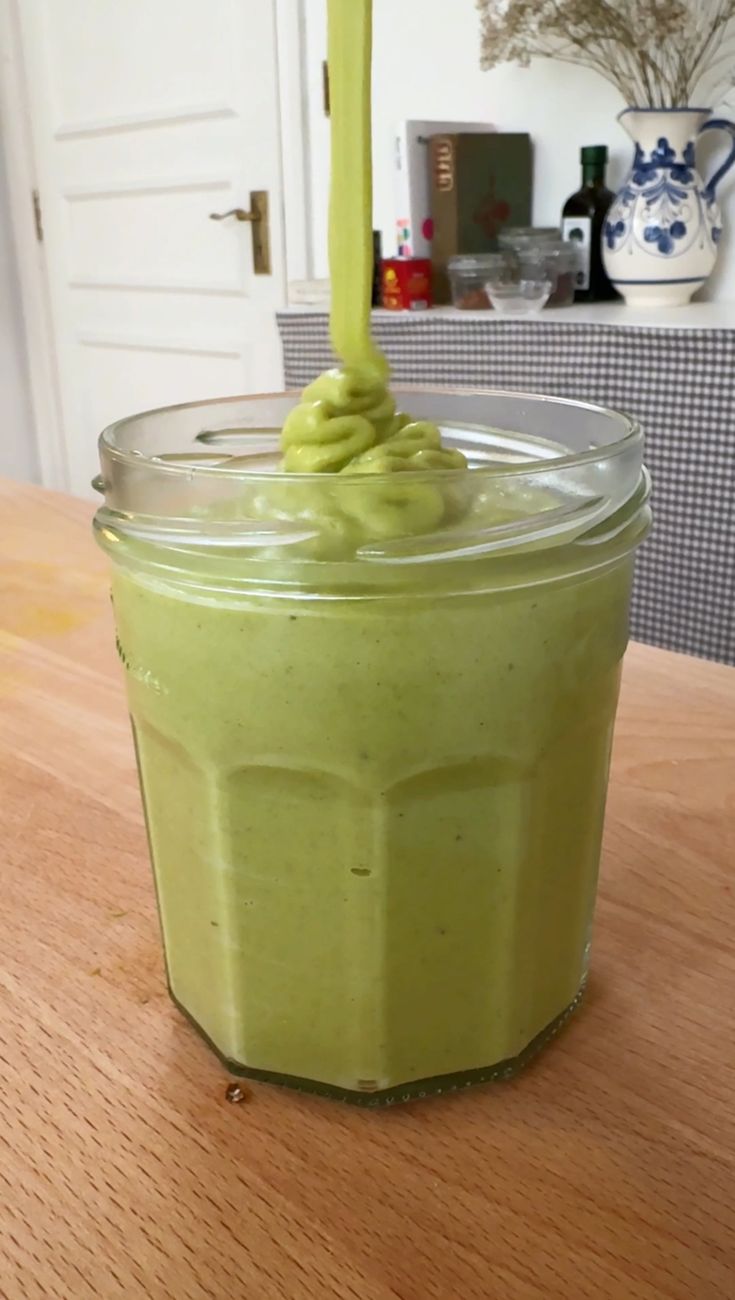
661 234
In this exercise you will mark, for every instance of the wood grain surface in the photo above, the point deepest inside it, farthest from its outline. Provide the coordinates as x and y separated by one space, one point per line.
606 1170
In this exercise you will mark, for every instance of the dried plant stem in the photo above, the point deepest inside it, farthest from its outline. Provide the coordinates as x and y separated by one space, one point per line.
657 53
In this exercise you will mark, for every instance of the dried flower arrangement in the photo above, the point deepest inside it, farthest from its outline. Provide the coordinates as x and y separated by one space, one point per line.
658 53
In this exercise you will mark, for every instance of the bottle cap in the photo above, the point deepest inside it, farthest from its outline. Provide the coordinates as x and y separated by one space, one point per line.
594 153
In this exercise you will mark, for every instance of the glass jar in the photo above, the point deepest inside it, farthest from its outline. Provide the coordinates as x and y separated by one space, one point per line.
517 238
469 274
559 262
373 718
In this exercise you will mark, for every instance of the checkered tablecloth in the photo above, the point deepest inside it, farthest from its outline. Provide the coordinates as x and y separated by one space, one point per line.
679 383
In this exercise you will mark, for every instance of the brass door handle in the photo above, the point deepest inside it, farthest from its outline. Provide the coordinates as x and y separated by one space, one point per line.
258 216
238 213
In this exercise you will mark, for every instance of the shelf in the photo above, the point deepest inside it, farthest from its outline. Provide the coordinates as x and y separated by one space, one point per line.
696 315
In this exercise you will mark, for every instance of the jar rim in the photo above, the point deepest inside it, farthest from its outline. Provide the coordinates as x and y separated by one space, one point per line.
630 434
465 261
528 234
541 472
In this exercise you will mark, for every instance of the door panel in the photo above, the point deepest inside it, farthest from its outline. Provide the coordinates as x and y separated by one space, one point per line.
146 117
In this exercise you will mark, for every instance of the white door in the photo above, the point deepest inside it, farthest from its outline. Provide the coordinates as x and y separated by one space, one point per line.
146 117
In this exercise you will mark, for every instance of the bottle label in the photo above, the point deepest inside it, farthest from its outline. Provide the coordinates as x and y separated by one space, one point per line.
579 231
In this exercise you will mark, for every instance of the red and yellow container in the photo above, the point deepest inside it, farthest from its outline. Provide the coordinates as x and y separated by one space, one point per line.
406 283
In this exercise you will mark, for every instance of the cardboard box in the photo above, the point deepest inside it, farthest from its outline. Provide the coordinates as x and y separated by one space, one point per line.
413 182
479 184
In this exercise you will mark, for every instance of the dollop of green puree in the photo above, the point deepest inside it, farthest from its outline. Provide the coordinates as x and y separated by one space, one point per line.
347 423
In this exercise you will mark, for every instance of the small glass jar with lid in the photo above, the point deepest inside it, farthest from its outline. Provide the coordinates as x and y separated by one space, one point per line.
470 273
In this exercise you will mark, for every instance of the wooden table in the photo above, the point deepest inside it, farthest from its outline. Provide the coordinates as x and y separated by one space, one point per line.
606 1170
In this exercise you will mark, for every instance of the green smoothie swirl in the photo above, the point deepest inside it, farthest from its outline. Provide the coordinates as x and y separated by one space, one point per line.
347 421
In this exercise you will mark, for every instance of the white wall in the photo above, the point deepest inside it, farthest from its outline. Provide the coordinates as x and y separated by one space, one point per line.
17 441
427 65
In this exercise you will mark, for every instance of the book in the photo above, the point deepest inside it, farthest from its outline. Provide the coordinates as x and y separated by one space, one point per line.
479 185
412 181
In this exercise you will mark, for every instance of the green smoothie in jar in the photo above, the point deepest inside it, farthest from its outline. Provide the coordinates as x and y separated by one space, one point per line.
373 676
